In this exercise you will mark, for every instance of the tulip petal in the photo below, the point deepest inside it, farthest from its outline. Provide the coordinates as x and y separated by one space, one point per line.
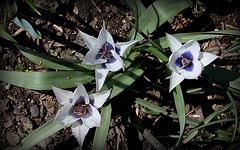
64 116
175 79
103 37
195 72
89 40
79 131
64 97
100 76
92 118
173 43
206 58
172 61
192 46
98 99
80 92
117 64
121 47
90 57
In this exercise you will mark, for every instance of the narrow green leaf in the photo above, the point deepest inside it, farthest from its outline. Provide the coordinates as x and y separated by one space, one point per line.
162 110
31 4
206 121
141 8
5 35
30 29
53 62
226 78
27 27
5 14
18 22
184 37
44 80
180 106
235 114
118 83
234 47
158 13
38 135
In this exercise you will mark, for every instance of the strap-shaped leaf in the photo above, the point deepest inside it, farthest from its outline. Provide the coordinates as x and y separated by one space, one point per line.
226 78
38 135
118 83
44 80
5 35
53 62
158 13
31 4
180 106
162 110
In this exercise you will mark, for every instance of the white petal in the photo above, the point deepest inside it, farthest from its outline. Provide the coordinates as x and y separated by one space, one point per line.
206 58
64 117
79 131
175 79
173 43
172 59
124 45
63 96
195 73
116 65
92 118
192 46
103 37
100 76
98 99
80 91
89 40
90 57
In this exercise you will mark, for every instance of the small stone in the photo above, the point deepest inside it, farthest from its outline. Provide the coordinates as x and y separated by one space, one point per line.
34 111
27 125
13 139
9 123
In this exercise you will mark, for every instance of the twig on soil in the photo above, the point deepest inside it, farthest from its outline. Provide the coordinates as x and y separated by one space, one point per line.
147 135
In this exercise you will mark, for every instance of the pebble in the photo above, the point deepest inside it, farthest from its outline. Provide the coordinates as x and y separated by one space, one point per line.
34 111
12 138
27 125
9 123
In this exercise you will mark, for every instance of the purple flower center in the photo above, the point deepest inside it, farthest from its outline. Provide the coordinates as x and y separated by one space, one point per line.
80 109
105 53
185 61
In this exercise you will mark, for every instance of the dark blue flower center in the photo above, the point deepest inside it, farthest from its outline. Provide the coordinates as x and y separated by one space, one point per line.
185 61
105 53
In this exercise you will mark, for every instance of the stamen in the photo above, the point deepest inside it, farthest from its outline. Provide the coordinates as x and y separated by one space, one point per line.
80 110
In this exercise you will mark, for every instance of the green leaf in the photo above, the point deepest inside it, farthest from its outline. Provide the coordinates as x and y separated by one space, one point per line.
162 110
5 35
31 4
184 37
180 106
30 29
118 83
38 135
53 62
158 13
226 78
27 27
44 80
235 46
192 133
235 114
131 4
